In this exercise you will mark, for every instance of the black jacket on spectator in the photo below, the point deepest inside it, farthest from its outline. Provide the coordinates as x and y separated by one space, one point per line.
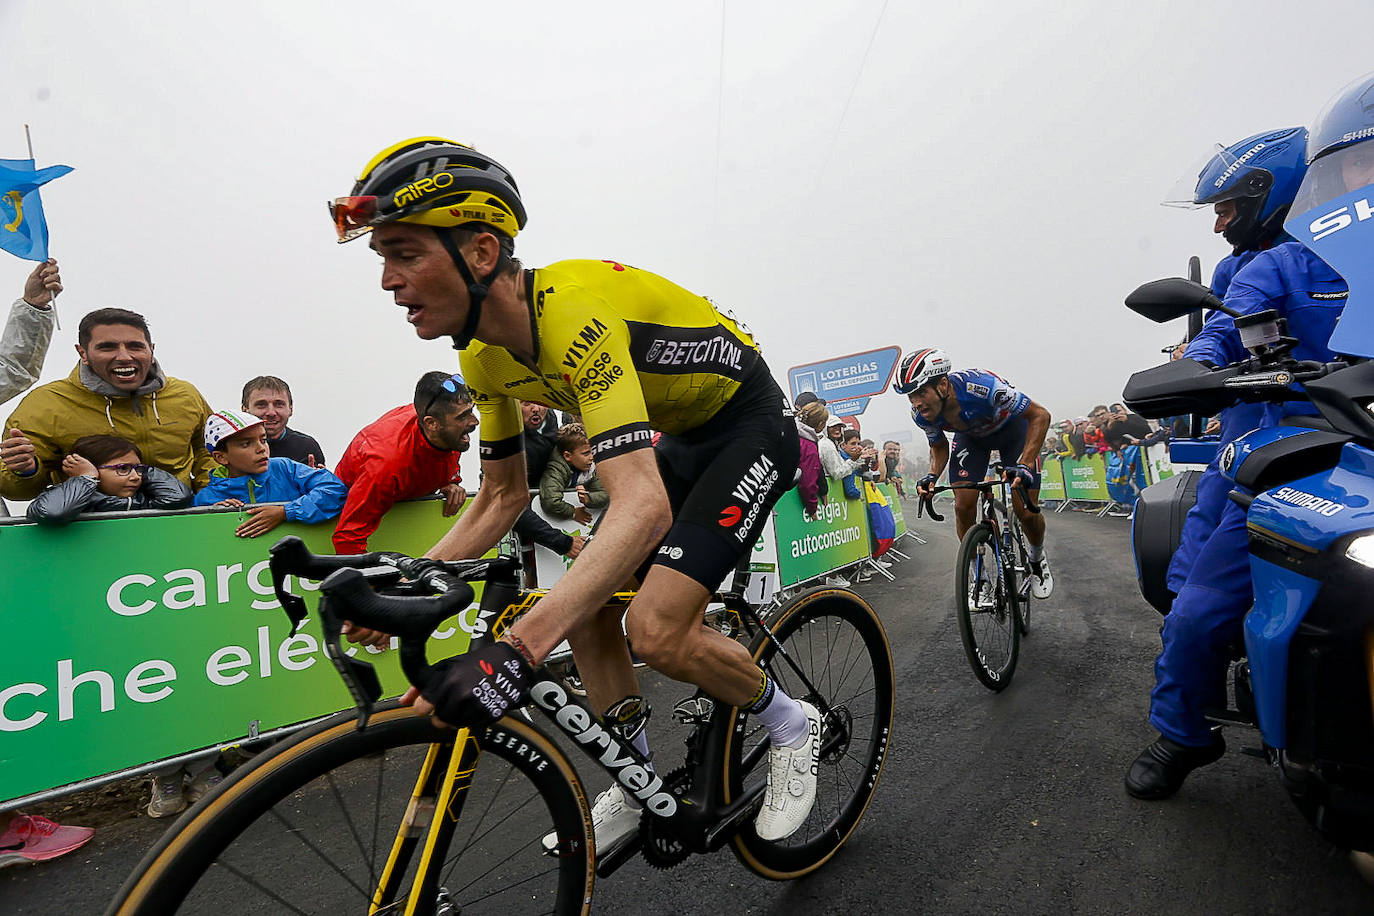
60 504
297 447
1134 425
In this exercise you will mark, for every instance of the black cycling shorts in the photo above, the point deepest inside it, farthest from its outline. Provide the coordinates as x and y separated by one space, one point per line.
969 456
723 478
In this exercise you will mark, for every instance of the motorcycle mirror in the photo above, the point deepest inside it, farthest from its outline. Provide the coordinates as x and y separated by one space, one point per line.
1173 297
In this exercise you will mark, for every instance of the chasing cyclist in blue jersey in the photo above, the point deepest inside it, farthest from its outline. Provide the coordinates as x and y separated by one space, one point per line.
986 414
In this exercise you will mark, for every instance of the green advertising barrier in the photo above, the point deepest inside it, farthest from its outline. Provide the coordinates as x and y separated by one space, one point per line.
145 637
1086 478
1052 479
811 547
1157 464
889 491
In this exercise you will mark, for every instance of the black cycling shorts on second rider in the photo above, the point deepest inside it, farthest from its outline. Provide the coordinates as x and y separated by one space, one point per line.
969 455
723 478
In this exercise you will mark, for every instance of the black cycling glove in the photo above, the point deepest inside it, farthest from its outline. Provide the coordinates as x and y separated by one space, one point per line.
480 687
1025 473
927 481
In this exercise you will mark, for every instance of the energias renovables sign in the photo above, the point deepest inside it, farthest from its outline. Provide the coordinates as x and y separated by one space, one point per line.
846 382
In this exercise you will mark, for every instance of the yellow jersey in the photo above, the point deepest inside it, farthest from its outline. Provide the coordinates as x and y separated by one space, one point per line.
624 348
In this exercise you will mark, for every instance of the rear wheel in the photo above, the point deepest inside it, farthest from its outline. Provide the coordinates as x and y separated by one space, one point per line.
986 609
834 655
338 817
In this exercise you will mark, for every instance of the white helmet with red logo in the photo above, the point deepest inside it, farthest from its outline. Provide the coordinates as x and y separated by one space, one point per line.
920 367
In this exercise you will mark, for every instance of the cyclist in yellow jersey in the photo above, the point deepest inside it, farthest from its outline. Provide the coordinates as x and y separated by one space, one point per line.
630 352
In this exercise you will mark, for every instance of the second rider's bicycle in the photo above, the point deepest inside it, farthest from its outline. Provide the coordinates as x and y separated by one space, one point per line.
992 581
377 811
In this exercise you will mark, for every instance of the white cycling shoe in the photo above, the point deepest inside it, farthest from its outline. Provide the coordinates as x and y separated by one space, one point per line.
984 597
791 789
1042 580
613 818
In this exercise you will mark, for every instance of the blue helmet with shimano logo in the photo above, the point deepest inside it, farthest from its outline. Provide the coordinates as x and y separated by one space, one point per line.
1340 155
1347 119
1262 175
1333 214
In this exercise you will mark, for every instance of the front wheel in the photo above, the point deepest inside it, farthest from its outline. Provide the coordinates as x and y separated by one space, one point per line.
834 654
986 609
337 821
1021 590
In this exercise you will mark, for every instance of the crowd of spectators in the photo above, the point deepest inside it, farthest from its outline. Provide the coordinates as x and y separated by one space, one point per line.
835 460
1104 430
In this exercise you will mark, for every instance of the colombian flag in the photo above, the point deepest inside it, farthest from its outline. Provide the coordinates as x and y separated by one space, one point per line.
880 519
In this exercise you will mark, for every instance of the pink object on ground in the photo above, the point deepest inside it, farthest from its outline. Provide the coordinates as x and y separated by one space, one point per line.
31 838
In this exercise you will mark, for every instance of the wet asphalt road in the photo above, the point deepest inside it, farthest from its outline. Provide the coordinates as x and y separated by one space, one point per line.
989 804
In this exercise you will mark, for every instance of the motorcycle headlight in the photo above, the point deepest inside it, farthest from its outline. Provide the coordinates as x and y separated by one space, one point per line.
1361 550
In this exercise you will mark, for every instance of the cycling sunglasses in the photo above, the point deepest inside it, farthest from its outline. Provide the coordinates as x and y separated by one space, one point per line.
453 385
353 216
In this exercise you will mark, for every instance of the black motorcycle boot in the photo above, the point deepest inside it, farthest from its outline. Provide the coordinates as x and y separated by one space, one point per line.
1160 769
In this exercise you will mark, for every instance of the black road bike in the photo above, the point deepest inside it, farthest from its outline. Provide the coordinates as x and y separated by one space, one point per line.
992 581
376 811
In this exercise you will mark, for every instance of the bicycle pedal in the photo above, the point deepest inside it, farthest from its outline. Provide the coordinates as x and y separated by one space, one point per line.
694 710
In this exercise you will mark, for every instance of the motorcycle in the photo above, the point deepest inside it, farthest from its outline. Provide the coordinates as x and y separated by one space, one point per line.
1308 487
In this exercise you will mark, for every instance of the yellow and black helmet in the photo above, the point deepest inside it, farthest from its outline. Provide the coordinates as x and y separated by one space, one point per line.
433 182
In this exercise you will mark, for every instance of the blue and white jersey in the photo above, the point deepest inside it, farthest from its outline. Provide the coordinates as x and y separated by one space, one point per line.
986 403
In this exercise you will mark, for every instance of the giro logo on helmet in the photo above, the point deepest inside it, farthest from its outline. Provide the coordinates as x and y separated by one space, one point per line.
422 188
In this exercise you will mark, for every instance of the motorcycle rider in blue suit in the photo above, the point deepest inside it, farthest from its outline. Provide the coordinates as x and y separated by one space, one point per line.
1206 617
1250 185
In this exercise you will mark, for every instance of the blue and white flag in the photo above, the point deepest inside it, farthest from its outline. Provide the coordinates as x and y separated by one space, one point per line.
23 232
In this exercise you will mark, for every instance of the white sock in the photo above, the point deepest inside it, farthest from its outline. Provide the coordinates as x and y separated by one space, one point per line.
1035 552
783 717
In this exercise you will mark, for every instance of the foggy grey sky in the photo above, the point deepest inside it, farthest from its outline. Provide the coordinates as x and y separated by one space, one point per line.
993 187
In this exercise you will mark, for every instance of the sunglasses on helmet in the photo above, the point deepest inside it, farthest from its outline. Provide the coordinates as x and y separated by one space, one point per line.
353 216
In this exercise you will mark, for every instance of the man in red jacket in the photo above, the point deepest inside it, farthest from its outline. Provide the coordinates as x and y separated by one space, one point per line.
409 451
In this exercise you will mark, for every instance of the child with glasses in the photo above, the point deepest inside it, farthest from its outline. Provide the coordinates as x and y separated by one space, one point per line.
107 474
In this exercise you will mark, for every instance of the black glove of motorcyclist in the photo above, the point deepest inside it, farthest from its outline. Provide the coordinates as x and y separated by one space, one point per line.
480 687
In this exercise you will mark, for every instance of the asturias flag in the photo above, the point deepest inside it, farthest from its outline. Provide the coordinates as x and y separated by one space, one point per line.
23 231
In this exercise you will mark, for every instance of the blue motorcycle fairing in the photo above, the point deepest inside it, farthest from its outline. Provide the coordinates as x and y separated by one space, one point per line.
1234 453
1311 512
1300 520
1282 598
